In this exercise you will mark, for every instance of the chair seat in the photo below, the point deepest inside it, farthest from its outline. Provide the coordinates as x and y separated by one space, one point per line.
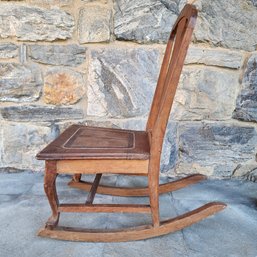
83 142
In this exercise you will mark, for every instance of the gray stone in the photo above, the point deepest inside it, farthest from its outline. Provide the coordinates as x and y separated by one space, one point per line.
133 124
68 55
94 24
19 83
11 169
246 106
40 113
1 146
214 149
23 55
242 172
145 21
205 93
252 176
214 57
122 81
32 23
224 23
247 172
254 2
87 122
170 148
8 50
21 142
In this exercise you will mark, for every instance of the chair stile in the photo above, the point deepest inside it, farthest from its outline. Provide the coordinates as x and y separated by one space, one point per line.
88 150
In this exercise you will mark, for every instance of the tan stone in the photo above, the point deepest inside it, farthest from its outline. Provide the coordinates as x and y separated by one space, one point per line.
50 2
63 86
193 168
97 1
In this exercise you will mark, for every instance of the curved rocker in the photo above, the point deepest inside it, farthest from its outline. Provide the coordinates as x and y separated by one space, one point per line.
83 149
144 191
136 233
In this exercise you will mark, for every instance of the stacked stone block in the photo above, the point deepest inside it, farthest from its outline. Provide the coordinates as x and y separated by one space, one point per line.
96 62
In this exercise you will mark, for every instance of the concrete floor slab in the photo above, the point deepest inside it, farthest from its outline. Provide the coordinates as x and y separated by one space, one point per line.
230 233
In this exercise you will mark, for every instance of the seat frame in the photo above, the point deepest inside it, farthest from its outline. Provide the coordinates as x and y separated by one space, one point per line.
160 110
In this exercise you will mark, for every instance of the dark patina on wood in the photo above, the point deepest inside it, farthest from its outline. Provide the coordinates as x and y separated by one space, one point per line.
89 150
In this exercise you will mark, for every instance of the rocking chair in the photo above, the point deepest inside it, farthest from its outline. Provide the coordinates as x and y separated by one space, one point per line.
91 150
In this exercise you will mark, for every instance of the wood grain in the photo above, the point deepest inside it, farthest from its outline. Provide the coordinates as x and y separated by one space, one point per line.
79 142
144 191
92 191
102 166
50 190
91 150
122 208
136 233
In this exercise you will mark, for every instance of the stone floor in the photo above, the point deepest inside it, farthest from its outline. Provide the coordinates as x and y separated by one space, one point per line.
231 233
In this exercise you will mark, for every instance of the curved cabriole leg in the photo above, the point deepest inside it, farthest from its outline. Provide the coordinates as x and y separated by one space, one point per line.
50 190
130 234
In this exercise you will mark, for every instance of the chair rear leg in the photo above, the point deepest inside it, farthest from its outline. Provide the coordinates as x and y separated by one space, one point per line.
153 184
76 177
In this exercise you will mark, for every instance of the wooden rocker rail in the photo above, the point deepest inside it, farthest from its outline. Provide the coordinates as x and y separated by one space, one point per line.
82 149
136 233
133 192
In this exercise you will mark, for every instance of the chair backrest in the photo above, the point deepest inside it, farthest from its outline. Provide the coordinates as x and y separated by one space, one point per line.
172 65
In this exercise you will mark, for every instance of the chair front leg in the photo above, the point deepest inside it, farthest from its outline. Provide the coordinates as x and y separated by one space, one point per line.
50 190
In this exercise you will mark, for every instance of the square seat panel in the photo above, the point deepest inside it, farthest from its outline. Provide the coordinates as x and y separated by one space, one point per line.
83 142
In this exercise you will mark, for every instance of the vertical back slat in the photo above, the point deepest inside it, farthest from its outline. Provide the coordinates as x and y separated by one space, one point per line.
160 84
170 55
170 87
168 81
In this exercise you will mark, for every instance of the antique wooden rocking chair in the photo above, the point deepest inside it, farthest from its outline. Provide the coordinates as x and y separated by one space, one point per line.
90 150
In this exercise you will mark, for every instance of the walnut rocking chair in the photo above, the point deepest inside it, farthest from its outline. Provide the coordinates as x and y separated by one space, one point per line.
91 150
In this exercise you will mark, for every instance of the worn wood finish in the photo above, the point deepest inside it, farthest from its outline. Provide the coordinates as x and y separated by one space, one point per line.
92 192
90 150
50 190
165 92
137 233
135 192
172 63
164 96
80 142
102 166
122 208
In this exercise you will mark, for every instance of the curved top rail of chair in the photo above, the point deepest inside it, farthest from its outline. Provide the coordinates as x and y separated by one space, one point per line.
88 150
190 13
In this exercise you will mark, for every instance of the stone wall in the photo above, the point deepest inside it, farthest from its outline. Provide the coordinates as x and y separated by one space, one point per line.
96 62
